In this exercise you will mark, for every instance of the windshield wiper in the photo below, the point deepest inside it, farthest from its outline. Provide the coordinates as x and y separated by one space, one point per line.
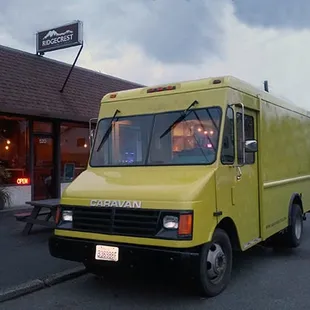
183 115
107 133
203 128
212 120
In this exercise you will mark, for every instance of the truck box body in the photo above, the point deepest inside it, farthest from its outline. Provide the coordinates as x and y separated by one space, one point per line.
238 162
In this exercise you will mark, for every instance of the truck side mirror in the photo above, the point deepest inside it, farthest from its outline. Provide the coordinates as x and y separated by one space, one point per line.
91 131
91 136
251 146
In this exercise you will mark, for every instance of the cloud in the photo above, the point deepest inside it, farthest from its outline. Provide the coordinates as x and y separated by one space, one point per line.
274 13
182 31
159 27
250 53
130 40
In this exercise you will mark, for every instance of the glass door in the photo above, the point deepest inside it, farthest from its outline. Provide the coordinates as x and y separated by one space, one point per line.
43 172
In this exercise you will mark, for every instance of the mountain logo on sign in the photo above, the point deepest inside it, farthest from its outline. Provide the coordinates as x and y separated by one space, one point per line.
54 33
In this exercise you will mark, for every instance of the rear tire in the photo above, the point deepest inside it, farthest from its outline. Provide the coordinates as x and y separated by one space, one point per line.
215 264
292 236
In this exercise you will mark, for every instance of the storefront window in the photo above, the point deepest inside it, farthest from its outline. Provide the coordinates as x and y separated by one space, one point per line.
74 150
14 148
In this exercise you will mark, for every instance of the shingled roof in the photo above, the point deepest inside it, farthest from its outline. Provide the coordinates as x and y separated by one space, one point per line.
30 85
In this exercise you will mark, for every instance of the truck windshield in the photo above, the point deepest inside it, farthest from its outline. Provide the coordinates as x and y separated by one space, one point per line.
143 140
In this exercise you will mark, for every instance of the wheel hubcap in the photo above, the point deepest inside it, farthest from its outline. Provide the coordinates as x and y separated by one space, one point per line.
298 227
216 262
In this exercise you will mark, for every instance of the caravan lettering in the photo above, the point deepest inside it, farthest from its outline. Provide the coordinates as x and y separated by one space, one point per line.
115 203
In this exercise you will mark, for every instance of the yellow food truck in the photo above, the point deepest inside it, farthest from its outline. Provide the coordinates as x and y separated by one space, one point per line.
193 170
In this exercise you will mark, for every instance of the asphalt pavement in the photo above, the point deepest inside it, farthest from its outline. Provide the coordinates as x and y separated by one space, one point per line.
24 258
262 279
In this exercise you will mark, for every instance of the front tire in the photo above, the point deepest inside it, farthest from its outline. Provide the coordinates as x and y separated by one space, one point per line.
215 264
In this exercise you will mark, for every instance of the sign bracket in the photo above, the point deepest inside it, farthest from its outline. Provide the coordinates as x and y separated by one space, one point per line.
73 65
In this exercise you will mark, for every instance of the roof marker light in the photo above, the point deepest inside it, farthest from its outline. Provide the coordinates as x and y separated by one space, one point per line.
217 82
158 89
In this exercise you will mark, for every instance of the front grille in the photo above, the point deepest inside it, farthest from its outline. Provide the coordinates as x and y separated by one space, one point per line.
130 222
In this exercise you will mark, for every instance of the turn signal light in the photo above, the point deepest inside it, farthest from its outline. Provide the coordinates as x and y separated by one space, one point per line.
58 215
185 224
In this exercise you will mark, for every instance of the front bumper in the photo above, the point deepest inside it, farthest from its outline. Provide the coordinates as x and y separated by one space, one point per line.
81 250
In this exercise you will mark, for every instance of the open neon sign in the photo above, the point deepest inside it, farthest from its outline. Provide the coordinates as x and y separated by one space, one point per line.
23 181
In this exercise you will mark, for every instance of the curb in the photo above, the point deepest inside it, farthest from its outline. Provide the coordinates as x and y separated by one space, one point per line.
38 284
20 290
64 276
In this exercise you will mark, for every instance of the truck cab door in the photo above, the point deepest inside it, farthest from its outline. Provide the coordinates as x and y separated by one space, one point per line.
237 182
246 189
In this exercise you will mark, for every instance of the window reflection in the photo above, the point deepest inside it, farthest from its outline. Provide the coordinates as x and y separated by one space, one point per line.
134 141
192 141
14 146
127 144
249 135
228 146
74 150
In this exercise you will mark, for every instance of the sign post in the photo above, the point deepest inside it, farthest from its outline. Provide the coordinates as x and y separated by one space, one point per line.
61 37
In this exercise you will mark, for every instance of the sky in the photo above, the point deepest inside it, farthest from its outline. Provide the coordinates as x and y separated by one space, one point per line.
161 41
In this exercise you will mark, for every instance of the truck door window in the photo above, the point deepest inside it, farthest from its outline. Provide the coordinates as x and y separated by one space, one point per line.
228 145
249 134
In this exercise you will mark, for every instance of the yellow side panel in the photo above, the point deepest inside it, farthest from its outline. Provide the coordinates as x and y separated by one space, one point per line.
285 148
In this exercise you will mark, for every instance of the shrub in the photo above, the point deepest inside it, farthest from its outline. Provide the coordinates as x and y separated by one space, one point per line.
4 194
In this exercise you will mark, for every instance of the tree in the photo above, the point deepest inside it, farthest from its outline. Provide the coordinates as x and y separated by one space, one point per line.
4 194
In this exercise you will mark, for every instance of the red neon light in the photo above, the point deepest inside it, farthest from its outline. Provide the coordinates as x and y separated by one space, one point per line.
23 181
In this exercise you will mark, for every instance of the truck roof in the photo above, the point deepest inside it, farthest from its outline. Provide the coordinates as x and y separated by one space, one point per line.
199 85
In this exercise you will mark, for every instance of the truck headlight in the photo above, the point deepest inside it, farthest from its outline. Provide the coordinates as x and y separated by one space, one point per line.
171 222
67 216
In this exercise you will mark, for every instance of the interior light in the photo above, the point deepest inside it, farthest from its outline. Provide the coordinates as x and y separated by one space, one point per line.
6 147
211 132
209 145
8 142
85 145
199 129
205 132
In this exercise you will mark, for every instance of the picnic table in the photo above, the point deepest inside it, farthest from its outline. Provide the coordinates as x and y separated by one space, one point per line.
32 217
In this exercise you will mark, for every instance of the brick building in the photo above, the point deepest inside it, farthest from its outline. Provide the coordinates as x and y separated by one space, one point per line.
44 132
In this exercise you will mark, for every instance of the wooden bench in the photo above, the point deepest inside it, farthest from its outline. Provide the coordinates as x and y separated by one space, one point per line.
32 217
21 216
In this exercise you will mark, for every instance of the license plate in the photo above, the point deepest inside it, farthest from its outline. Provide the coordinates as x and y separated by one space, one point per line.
107 253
